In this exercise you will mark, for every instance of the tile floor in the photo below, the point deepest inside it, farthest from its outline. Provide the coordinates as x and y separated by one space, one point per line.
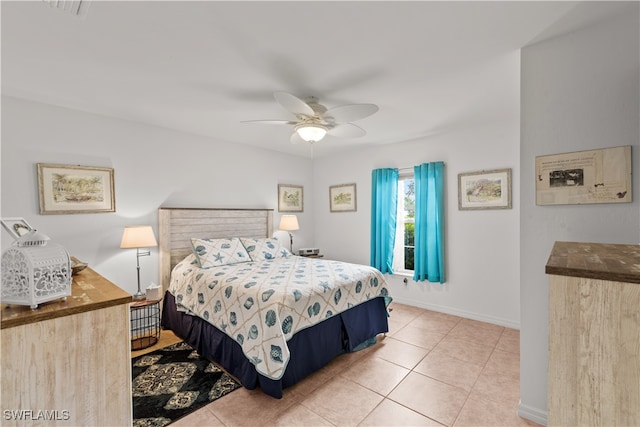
431 369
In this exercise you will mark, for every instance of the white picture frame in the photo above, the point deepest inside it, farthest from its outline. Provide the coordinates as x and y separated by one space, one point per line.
16 227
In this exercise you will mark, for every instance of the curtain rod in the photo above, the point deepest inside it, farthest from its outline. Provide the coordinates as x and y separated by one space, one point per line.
408 169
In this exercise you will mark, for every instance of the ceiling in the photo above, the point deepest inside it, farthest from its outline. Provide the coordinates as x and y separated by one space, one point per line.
205 66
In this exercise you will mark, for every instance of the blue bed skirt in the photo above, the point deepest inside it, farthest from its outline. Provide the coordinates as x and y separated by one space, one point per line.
310 348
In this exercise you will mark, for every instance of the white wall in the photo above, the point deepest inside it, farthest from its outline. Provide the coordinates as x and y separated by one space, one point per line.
153 167
482 247
579 92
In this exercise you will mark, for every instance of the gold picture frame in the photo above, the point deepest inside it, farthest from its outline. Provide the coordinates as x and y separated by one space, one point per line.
69 189
290 198
487 189
343 198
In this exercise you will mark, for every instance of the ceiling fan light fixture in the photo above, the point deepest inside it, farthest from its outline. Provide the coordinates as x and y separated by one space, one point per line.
311 132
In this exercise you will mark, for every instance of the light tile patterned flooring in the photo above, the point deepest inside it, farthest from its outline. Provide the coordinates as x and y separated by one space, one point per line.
431 369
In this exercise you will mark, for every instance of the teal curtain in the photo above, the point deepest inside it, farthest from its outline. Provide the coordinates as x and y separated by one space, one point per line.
429 231
384 202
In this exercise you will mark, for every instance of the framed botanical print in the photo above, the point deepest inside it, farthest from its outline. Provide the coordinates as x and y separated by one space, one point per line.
68 189
342 198
290 198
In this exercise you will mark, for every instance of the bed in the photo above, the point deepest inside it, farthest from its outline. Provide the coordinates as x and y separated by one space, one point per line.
241 299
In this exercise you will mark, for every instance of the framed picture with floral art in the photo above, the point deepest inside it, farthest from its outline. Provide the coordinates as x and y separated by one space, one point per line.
290 198
342 198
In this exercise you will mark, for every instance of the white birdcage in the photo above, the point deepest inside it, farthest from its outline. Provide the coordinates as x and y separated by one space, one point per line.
35 271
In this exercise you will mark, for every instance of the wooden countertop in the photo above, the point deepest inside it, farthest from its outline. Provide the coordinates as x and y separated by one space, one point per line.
89 291
604 261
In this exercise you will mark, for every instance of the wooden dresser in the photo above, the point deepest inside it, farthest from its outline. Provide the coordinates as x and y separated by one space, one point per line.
594 335
68 363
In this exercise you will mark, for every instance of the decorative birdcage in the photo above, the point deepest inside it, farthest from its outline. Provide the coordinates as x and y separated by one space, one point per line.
35 271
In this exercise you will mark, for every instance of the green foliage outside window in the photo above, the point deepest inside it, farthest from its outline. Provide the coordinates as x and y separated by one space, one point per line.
409 230
409 227
410 198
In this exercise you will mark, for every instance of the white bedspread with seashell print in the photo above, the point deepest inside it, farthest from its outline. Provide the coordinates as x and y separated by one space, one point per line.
262 304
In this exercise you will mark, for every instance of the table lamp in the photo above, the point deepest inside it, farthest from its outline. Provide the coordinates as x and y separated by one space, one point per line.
137 237
289 223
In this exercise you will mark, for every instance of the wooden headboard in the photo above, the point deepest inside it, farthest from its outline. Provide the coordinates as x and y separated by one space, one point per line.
176 227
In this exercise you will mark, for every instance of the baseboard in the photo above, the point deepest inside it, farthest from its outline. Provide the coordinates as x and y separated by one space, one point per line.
533 414
461 313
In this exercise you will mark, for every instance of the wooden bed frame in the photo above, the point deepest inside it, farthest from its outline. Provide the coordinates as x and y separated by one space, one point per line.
176 227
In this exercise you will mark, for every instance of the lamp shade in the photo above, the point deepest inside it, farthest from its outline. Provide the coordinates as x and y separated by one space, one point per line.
140 236
289 223
311 132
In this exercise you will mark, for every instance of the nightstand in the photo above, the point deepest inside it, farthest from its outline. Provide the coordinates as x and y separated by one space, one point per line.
313 256
145 323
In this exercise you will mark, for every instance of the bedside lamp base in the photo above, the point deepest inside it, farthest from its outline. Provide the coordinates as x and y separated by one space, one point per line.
139 296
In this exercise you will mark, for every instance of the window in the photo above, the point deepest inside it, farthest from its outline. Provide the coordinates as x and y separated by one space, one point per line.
404 247
407 221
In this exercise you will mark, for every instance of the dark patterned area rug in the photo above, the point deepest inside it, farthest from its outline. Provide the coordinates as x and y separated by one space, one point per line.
174 381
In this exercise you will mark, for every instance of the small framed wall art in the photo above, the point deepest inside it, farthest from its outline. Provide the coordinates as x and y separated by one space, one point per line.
17 227
68 189
490 189
342 198
290 198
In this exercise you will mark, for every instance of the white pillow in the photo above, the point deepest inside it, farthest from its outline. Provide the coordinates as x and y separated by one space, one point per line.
217 252
267 248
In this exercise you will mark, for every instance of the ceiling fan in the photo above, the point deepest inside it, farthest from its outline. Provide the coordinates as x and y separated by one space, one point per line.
314 120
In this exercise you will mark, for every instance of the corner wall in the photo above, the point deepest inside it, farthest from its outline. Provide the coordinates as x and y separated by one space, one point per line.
580 92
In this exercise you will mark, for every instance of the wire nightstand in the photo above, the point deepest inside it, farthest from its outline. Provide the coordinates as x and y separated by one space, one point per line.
145 323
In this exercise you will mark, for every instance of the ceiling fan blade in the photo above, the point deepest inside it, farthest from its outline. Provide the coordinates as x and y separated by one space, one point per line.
346 130
270 122
295 138
351 113
293 104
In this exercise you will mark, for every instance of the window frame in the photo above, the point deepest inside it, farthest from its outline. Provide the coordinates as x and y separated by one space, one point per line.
401 221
